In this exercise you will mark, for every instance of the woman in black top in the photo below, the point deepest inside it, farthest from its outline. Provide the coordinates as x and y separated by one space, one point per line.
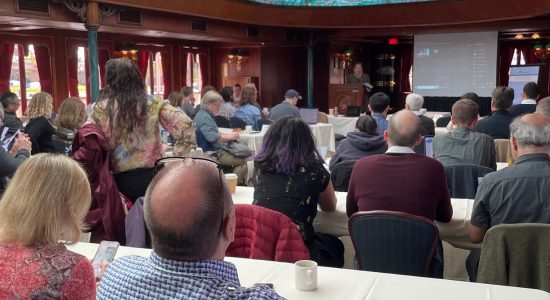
39 129
289 177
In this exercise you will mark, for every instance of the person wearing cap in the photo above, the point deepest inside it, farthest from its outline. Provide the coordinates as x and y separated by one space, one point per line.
287 107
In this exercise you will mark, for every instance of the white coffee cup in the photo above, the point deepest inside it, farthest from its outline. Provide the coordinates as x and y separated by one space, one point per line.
305 275
266 109
248 129
231 180
331 111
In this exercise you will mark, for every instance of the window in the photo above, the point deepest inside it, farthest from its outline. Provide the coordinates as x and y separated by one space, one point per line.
154 78
81 73
28 76
518 58
197 78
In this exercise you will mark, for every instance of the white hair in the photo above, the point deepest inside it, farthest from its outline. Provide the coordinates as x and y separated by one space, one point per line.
529 134
414 101
210 97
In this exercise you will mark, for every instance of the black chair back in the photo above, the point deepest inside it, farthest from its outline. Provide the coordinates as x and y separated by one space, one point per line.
353 111
340 175
222 122
463 179
394 242
263 122
236 122
443 122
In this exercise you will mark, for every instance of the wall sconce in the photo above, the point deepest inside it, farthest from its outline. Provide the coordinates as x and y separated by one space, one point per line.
129 51
236 56
535 36
542 52
345 58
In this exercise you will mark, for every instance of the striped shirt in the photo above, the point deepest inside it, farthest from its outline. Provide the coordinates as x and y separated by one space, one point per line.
154 277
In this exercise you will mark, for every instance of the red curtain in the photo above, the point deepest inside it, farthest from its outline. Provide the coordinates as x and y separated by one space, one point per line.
6 56
406 64
22 77
43 66
142 62
166 74
103 57
529 54
506 53
203 69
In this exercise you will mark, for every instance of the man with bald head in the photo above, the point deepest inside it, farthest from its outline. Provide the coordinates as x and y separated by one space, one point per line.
400 179
519 193
190 215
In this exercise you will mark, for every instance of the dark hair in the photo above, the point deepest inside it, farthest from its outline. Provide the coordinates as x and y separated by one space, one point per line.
8 98
207 88
503 97
126 98
227 94
472 96
379 102
367 124
198 240
465 111
186 91
288 146
175 98
531 90
237 85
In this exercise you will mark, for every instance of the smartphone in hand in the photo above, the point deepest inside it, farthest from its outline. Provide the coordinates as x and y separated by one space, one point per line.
105 252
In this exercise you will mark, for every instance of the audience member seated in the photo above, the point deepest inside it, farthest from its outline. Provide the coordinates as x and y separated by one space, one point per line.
446 121
287 107
236 95
462 145
191 218
497 123
249 110
205 89
188 102
226 109
39 128
131 125
414 103
529 98
379 105
289 177
519 193
364 141
204 119
543 107
10 161
44 203
11 104
176 99
421 180
72 114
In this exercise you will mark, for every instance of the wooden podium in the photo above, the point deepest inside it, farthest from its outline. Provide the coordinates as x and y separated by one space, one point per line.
344 95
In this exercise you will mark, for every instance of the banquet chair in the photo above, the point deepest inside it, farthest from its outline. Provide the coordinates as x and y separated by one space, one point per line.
516 255
340 175
222 122
262 233
463 179
396 242
503 150
236 122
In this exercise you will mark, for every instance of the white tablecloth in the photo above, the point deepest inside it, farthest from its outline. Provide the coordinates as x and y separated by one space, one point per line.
349 284
323 134
342 125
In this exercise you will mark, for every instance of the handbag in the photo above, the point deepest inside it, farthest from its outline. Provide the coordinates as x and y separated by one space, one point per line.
238 150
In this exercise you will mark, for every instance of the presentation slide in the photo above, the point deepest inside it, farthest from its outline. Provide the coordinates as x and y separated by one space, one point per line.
452 64
519 77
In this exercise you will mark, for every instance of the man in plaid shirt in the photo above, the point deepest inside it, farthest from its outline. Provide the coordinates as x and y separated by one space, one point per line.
191 218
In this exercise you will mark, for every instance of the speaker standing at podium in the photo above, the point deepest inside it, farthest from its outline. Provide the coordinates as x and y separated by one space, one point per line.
357 76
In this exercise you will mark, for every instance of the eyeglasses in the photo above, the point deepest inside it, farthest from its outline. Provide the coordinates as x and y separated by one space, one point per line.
161 163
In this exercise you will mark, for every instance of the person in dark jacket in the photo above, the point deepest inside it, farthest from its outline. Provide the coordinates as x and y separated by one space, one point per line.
10 104
39 129
19 152
497 124
365 141
414 103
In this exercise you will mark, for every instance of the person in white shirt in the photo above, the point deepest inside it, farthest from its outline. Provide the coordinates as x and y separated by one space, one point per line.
529 97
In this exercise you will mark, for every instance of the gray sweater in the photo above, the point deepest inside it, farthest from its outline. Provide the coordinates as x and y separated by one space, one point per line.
8 163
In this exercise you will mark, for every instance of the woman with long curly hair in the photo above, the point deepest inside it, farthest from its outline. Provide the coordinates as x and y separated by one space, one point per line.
39 129
130 124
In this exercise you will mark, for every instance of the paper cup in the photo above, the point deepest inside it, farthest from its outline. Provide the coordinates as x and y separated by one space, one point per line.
331 111
231 180
248 129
